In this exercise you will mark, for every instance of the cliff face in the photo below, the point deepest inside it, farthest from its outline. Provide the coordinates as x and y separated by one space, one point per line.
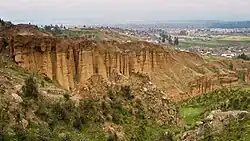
72 61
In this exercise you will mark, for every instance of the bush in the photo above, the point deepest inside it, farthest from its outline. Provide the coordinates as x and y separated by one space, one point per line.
47 79
126 91
244 57
21 133
168 136
111 94
112 137
30 89
67 96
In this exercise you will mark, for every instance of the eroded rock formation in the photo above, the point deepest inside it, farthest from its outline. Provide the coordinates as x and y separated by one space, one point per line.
72 61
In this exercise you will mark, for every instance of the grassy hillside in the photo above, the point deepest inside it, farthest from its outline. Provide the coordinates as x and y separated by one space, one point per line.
225 99
197 108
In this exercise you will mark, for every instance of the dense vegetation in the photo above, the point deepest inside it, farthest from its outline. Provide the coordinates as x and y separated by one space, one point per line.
197 108
54 29
225 99
38 119
244 57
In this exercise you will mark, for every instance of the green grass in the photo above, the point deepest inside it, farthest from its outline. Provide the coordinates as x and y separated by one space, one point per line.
191 115
93 132
79 33
225 99
197 108
222 42
234 38
189 43
246 88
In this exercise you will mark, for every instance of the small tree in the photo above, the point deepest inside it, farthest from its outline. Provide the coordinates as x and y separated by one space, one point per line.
164 36
176 41
170 41
244 57
2 23
163 40
57 29
126 91
47 28
30 89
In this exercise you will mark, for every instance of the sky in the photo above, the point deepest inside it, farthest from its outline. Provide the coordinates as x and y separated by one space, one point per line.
121 11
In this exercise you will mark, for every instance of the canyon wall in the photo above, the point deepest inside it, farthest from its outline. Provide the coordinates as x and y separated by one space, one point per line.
72 61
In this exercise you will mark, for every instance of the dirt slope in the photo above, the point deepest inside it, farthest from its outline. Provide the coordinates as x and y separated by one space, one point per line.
21 29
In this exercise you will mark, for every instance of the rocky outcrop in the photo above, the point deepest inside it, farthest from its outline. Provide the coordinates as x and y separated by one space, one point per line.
72 61
214 124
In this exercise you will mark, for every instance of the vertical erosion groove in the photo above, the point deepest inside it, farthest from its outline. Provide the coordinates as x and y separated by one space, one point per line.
53 60
76 63
95 62
152 60
144 60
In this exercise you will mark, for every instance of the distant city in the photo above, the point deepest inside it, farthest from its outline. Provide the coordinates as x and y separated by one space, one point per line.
218 38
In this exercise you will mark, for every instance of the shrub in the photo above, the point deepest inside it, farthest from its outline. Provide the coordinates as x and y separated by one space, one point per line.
111 94
90 110
78 123
168 136
42 84
244 57
112 137
67 96
127 92
47 79
30 89
20 132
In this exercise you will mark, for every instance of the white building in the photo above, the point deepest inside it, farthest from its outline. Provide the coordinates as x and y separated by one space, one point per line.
228 54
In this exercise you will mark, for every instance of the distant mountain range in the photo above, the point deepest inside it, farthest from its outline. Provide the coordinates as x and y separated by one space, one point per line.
231 24
188 24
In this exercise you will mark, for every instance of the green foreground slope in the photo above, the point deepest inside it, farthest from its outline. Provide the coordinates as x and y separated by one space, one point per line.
196 109
33 108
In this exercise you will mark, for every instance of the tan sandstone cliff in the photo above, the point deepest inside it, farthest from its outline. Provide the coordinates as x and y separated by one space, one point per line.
72 61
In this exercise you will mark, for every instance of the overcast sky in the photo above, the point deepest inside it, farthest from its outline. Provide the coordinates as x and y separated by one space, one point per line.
121 11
